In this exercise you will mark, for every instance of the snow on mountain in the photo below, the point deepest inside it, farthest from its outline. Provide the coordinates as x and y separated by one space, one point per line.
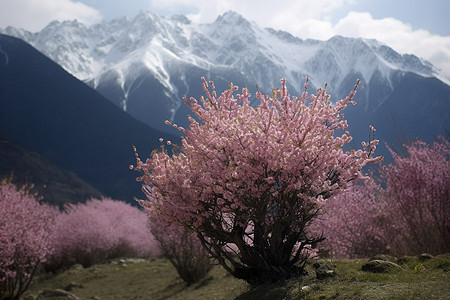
120 57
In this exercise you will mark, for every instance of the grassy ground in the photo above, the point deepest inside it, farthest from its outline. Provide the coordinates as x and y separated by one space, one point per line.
157 279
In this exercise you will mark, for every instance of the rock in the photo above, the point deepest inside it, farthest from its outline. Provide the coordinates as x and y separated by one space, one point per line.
72 285
323 270
306 288
136 260
75 269
425 256
383 257
123 261
320 262
56 294
323 273
380 266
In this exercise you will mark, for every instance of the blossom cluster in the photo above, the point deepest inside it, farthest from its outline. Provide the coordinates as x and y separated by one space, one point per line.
404 210
26 227
236 155
98 230
267 166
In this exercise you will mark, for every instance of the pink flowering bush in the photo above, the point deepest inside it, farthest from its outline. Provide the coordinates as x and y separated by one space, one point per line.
353 222
409 216
266 168
100 230
418 192
25 231
183 249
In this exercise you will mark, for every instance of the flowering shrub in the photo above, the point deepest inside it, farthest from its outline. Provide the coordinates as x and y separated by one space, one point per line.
418 191
353 222
183 249
265 168
99 230
25 230
411 215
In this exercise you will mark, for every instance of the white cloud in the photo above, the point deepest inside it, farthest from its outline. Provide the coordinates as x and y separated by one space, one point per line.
33 15
399 36
172 7
282 13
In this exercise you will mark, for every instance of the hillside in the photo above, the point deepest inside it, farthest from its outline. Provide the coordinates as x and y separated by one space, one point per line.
157 279
55 184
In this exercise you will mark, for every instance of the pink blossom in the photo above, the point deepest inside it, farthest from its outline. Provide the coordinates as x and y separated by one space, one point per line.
270 164
99 230
26 228
406 213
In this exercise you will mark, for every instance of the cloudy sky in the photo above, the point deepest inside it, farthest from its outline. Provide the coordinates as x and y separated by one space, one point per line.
409 26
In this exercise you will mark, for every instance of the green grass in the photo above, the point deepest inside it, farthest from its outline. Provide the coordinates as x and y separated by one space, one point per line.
157 279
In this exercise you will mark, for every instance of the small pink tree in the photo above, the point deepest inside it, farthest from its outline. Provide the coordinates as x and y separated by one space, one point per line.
25 231
100 230
266 168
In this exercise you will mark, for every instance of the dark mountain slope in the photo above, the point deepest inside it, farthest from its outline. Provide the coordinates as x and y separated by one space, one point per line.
418 107
54 114
56 185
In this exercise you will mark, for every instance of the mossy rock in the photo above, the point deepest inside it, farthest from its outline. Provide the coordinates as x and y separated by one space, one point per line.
324 270
380 266
425 256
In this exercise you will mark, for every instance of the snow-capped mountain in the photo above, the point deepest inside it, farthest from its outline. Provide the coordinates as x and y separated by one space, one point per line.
147 64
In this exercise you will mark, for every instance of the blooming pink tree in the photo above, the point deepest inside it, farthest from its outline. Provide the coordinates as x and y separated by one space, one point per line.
251 179
408 216
99 230
25 231
418 190
354 222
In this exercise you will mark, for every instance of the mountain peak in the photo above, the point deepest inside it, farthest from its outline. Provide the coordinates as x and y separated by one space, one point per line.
405 62
144 15
150 46
231 18
57 25
284 35
181 19
230 40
